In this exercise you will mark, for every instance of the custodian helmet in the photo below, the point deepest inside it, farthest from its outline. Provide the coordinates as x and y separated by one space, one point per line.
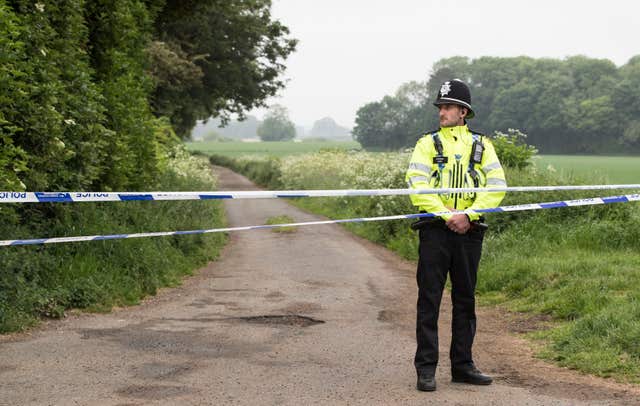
455 92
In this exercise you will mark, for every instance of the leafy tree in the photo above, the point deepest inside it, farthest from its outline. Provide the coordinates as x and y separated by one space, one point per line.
546 117
395 120
626 99
381 125
328 128
631 135
511 115
276 125
578 104
370 125
512 148
215 58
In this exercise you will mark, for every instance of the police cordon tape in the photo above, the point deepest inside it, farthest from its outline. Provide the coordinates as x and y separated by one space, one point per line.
521 207
69 197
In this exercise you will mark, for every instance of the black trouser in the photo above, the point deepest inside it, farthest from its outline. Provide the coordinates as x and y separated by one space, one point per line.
443 251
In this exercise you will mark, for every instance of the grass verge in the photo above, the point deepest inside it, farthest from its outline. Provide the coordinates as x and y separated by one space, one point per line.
284 219
45 281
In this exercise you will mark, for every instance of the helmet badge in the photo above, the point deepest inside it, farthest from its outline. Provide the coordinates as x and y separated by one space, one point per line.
445 88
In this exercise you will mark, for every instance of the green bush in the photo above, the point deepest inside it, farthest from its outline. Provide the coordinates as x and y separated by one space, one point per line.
52 119
264 171
512 149
46 281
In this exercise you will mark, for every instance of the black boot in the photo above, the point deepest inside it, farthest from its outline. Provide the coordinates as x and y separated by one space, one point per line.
426 383
470 374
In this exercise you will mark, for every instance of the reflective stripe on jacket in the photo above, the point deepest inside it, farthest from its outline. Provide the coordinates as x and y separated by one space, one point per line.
457 142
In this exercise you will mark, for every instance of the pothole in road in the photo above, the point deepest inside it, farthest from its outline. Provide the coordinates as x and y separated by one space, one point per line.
285 320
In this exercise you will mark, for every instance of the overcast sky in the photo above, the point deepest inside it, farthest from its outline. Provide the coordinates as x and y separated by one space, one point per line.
352 52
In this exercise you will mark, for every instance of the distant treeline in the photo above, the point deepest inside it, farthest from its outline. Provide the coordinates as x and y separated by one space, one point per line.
215 130
574 105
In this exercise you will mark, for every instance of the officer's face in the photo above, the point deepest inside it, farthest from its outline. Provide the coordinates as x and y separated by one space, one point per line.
451 115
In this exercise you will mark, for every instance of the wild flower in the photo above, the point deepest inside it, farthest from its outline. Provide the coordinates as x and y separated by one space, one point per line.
186 166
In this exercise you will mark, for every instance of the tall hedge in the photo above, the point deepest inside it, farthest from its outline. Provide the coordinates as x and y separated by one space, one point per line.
75 115
120 32
54 113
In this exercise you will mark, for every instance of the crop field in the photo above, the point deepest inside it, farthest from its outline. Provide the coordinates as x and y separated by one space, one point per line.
274 149
610 169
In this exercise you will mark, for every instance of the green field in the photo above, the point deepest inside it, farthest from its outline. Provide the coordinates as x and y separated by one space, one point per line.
609 169
612 169
277 148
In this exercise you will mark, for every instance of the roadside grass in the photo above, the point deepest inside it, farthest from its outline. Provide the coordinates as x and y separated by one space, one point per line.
589 285
263 149
580 266
284 219
47 281
613 169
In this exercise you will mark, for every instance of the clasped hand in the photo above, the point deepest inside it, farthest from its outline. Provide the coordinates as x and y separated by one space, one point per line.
459 223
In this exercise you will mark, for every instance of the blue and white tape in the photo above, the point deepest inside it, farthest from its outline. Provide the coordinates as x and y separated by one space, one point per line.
69 197
521 207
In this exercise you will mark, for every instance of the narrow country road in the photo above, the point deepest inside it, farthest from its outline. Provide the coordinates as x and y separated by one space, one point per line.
314 316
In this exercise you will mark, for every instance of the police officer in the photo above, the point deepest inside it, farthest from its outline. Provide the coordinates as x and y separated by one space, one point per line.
451 157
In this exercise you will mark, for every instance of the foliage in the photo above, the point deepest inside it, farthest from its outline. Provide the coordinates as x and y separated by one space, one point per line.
52 120
76 89
631 135
512 149
80 82
328 128
388 124
75 116
120 31
575 105
372 128
13 161
47 281
262 170
276 125
214 58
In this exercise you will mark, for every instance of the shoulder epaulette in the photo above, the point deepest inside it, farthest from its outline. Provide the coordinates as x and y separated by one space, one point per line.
430 133
477 135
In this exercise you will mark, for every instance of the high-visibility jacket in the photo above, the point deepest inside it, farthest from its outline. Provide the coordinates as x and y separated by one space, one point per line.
424 173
